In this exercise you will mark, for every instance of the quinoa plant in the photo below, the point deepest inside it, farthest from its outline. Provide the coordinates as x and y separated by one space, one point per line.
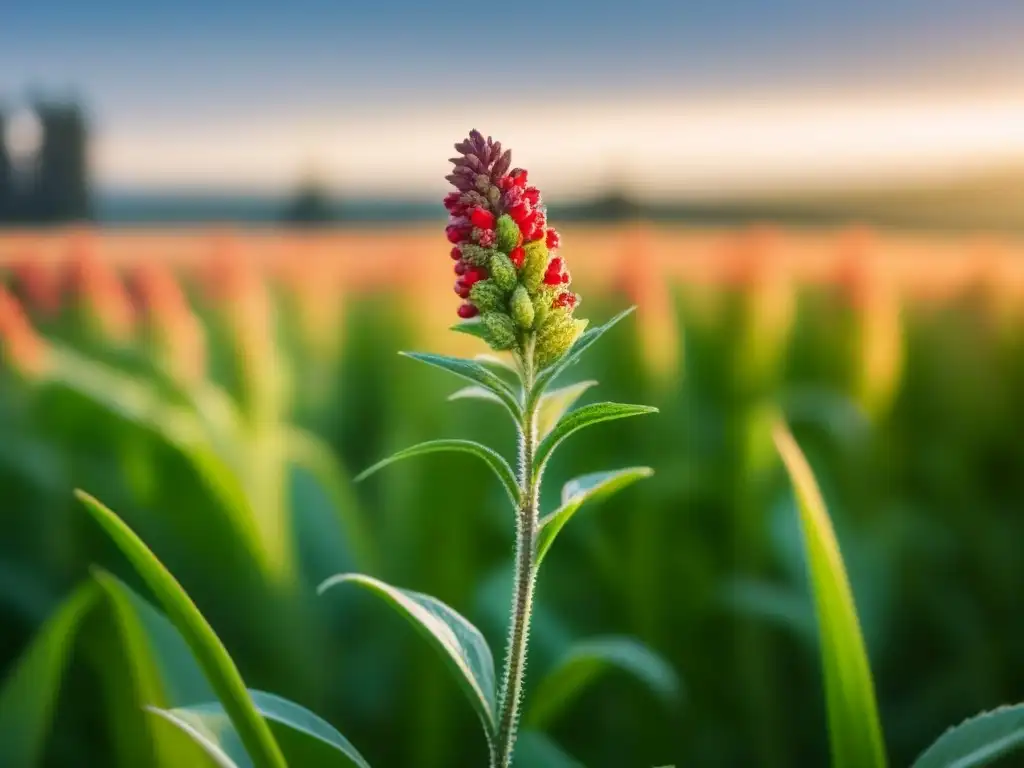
516 295
517 298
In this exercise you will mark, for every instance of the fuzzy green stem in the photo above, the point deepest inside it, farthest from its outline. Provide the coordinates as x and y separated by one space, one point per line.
522 599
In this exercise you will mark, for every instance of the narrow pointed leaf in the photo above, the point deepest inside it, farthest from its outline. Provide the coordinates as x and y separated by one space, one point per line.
503 367
29 692
214 734
210 653
498 363
475 392
580 418
583 343
555 403
306 738
472 327
854 729
977 741
493 459
575 493
460 643
586 662
475 372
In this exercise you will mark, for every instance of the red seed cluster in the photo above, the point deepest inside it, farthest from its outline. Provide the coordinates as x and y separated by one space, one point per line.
487 187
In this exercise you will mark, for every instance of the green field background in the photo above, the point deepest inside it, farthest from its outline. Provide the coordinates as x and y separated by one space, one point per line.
909 407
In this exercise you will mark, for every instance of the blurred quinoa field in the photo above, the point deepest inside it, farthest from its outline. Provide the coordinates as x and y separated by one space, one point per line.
173 372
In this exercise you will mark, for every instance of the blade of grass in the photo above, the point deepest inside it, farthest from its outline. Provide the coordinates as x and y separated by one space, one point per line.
28 695
211 654
855 732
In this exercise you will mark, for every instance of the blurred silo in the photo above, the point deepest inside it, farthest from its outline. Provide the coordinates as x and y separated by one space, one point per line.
61 189
6 174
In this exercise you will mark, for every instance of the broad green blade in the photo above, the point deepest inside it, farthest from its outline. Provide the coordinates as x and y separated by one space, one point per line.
977 741
459 642
577 420
555 403
202 640
586 662
131 678
854 728
493 459
313 455
306 738
779 604
179 671
29 692
536 750
132 400
575 493
475 372
582 344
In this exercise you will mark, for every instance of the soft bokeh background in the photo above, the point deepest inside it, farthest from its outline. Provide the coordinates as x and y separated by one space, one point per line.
818 209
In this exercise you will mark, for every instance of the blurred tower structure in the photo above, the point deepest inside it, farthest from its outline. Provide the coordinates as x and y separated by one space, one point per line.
44 173
6 174
60 191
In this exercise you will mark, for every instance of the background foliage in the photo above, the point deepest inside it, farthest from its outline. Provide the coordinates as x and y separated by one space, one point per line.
229 445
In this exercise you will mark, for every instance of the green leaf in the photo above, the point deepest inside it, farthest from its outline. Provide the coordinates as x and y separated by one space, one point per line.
977 741
493 458
581 345
131 678
475 372
212 732
554 404
575 493
308 739
182 677
577 420
475 392
131 400
202 640
854 728
498 363
314 456
472 327
459 642
504 367
779 604
585 662
29 692
536 750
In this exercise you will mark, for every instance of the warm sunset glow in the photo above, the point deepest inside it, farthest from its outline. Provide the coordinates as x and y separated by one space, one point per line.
685 148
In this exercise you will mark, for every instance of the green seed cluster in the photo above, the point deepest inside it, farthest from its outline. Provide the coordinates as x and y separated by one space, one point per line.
514 302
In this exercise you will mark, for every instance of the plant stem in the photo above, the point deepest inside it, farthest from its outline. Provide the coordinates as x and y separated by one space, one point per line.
522 599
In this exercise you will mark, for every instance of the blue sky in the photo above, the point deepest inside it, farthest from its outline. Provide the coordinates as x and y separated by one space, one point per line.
162 77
